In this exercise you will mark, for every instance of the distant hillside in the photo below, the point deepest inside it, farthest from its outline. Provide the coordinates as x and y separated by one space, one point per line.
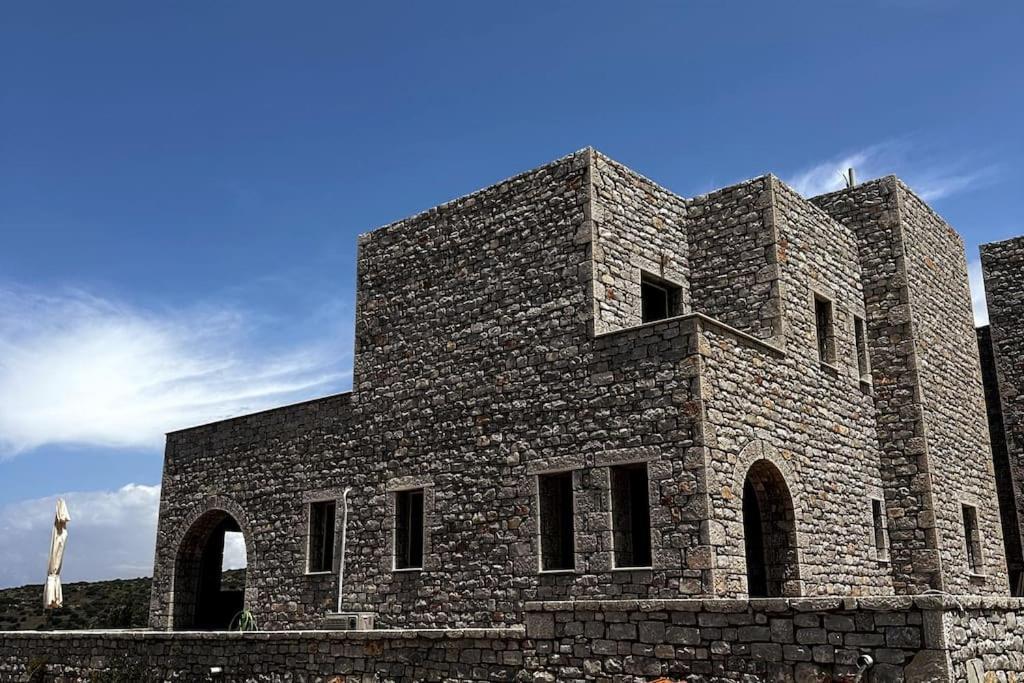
120 603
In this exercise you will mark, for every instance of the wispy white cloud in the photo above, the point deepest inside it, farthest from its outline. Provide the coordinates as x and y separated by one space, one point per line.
112 534
929 177
978 301
76 368
828 175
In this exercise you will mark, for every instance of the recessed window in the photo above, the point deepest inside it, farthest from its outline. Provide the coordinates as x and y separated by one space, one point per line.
881 531
825 329
973 538
659 298
409 529
631 516
321 536
860 335
557 545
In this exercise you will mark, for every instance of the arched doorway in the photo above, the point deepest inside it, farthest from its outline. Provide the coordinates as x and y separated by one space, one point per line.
205 597
769 533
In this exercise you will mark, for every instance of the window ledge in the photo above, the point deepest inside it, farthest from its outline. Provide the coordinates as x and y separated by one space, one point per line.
831 367
644 568
327 572
557 571
407 570
975 576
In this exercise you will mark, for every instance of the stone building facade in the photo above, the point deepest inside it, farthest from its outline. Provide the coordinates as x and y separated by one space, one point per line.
1001 344
577 385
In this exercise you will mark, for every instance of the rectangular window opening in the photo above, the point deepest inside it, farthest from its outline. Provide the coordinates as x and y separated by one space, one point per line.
825 330
557 543
659 299
863 359
409 529
321 536
881 530
973 539
631 516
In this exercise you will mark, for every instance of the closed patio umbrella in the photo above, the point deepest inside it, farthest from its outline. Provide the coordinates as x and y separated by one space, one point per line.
53 598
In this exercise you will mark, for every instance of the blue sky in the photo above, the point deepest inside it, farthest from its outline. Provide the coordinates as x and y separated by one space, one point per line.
181 184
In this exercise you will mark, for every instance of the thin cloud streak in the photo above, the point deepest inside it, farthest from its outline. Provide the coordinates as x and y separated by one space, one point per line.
930 179
76 368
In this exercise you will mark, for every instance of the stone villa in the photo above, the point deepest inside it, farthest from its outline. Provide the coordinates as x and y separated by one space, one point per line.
738 436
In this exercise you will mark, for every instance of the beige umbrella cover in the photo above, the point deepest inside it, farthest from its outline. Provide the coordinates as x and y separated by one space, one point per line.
53 598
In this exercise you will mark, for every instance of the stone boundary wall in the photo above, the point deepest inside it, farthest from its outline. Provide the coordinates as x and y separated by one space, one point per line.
921 638
985 638
804 639
279 656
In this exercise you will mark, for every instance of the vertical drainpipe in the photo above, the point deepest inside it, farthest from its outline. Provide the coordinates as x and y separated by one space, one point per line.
344 534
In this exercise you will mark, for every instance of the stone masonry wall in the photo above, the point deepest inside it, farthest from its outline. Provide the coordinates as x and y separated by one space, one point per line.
821 438
733 258
953 399
261 469
871 211
1001 460
637 225
985 639
924 638
810 639
282 657
1003 266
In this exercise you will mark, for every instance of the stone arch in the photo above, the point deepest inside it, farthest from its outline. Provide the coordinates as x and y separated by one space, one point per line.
197 601
769 533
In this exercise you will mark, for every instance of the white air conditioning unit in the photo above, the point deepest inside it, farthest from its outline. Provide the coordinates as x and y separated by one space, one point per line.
348 621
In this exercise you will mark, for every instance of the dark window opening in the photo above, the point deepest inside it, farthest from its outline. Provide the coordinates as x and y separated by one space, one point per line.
659 299
321 536
881 530
825 330
409 529
631 516
557 546
973 539
863 366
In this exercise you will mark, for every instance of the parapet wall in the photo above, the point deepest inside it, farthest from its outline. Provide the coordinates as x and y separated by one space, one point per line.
922 638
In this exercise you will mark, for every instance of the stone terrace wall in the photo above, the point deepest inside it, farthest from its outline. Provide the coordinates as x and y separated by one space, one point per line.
1003 265
493 655
956 426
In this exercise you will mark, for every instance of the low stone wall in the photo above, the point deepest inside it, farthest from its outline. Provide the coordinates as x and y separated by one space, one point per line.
985 637
493 655
923 638
812 639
